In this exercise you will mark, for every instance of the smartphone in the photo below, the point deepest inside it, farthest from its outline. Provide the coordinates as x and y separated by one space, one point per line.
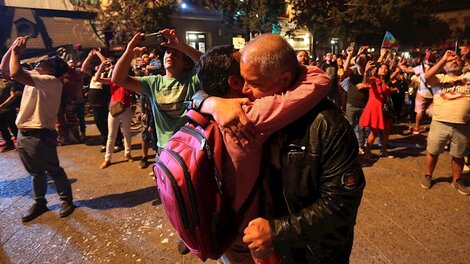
457 50
351 46
152 39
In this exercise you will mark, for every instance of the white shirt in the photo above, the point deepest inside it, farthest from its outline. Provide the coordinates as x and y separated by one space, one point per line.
452 100
94 84
422 89
40 103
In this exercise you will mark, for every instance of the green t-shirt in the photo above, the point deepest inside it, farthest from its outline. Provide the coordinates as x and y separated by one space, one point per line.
168 96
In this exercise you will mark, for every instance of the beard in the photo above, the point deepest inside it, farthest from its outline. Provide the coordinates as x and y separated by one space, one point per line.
453 68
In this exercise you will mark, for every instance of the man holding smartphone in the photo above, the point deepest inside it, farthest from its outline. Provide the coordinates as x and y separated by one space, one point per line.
451 118
167 93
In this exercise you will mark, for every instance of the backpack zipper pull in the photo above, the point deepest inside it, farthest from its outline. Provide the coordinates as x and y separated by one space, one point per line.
203 144
206 147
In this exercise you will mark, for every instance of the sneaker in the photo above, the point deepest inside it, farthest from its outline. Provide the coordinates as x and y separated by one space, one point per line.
420 146
33 212
118 148
66 209
105 164
182 248
383 153
460 187
144 163
129 158
369 157
7 148
103 149
426 182
414 131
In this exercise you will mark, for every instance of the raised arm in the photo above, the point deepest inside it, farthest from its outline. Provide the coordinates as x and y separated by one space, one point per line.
395 73
383 53
174 41
98 75
16 72
86 65
121 71
401 65
431 73
5 65
100 55
347 63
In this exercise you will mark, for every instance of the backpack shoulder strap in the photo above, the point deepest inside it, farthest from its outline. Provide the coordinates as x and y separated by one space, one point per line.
197 118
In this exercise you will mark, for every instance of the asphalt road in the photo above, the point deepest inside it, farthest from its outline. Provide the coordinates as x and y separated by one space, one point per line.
119 219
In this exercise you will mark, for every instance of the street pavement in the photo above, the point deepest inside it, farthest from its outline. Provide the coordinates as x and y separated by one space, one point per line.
119 218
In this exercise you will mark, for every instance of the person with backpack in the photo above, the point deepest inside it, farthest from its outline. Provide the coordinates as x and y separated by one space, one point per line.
299 89
167 93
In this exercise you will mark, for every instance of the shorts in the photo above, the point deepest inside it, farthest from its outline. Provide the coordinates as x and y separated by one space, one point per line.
441 133
422 103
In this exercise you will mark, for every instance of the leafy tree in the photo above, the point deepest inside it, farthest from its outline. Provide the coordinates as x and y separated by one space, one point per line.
367 20
323 18
123 18
251 15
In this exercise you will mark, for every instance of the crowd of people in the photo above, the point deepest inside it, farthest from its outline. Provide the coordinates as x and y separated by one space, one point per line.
365 89
254 95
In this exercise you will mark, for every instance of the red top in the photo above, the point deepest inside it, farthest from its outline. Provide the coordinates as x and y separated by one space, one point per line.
119 94
372 115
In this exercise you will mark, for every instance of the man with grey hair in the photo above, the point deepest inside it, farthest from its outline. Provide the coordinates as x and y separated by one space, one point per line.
316 186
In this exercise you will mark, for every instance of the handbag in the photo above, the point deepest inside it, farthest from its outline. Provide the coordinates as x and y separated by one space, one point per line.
387 108
116 108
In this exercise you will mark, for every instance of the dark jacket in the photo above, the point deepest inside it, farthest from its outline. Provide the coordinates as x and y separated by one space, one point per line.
322 185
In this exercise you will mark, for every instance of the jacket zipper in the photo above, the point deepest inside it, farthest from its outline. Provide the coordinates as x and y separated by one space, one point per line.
300 149
178 195
191 192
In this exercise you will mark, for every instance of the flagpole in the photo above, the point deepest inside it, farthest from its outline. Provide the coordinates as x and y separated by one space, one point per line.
383 41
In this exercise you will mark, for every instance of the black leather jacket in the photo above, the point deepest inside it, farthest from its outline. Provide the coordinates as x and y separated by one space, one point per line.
321 188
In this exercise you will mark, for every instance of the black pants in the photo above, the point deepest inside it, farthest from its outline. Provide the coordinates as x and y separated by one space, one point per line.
81 117
7 120
100 115
38 152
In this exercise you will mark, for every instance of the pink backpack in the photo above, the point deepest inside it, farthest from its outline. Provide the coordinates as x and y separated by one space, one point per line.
188 176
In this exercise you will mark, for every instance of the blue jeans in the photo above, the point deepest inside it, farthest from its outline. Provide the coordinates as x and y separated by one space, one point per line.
38 152
353 115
